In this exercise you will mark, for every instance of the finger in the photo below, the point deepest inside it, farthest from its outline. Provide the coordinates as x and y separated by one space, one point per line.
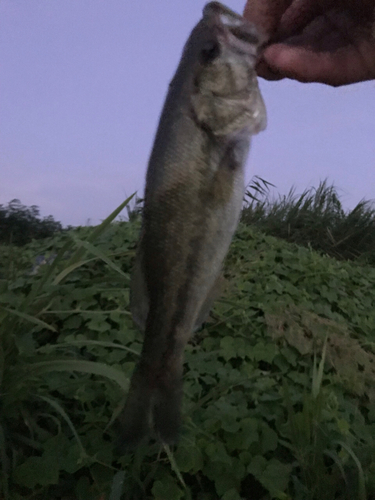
338 68
266 13
264 71
298 15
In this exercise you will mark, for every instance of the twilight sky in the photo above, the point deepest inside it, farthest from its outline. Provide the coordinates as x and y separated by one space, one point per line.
82 83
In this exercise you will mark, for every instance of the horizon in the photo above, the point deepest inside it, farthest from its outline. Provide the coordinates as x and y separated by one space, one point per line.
82 87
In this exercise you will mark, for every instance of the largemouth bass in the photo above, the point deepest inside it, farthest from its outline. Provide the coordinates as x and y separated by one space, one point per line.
192 203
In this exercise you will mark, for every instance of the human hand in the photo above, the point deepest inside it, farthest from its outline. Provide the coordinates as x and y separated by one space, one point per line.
326 41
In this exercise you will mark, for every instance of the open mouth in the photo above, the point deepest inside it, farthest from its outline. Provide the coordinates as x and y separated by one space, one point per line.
242 35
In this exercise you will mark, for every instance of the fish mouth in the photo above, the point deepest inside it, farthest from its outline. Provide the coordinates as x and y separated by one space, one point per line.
241 34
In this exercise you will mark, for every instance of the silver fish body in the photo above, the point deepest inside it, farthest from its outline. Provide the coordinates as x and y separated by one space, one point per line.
193 198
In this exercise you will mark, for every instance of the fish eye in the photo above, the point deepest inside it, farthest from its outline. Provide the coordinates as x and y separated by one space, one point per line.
210 51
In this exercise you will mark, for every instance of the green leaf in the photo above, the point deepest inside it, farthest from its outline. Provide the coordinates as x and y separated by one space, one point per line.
25 343
361 477
111 345
231 494
92 367
36 471
264 352
274 475
218 453
257 466
98 231
174 465
62 412
87 246
189 458
166 489
269 439
60 277
227 480
29 318
247 435
318 372
228 349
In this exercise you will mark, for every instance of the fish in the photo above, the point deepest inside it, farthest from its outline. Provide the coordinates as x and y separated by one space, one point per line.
192 203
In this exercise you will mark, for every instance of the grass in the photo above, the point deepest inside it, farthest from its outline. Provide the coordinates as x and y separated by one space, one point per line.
316 218
279 384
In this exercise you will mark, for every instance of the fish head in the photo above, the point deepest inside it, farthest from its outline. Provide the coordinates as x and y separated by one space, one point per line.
224 93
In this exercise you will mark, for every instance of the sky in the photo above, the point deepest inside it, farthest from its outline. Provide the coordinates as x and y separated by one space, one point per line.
82 83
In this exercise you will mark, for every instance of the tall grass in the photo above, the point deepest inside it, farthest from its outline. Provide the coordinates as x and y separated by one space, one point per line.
23 335
315 218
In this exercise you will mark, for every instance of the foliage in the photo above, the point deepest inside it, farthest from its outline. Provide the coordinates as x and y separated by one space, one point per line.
20 224
279 384
134 209
315 218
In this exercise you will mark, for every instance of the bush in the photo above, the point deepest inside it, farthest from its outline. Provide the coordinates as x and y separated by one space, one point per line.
20 224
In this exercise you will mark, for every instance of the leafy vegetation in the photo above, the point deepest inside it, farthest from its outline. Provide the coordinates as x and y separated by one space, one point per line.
279 384
20 224
316 218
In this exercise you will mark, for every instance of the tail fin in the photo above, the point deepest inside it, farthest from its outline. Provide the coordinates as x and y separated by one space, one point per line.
157 405
135 420
167 409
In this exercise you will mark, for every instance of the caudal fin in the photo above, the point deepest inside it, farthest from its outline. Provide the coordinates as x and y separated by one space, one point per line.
156 406
135 420
167 410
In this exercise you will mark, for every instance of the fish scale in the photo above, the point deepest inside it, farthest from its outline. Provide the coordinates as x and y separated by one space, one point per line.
192 203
